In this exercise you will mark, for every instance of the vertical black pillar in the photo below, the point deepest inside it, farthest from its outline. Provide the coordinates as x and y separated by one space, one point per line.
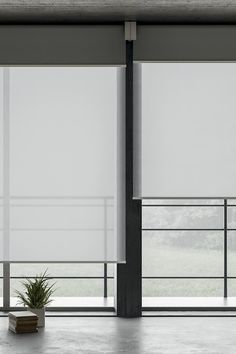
129 275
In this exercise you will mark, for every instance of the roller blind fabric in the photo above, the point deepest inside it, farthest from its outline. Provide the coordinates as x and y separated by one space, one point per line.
61 171
185 128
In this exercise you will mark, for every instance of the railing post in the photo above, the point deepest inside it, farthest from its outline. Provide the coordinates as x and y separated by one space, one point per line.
225 250
6 286
105 250
105 280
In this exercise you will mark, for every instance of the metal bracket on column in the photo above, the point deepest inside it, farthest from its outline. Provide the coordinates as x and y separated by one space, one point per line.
130 31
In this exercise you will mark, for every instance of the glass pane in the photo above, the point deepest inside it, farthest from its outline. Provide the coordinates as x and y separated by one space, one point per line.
70 287
59 270
182 287
231 201
231 213
182 217
110 270
185 253
110 288
232 287
231 253
1 292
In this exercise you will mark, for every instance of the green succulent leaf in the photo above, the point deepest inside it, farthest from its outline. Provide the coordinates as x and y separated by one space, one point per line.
37 291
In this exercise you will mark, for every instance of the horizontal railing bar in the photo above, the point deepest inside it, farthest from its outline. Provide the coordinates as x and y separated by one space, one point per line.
154 229
88 277
57 277
103 308
152 277
110 205
109 277
62 262
109 229
183 205
188 205
60 205
183 198
59 229
58 197
188 277
187 229
143 198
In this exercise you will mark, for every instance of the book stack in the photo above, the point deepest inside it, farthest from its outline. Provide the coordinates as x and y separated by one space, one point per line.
23 322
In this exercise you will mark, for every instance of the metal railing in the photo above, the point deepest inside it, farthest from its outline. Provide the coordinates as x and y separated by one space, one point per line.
7 277
225 277
40 201
225 206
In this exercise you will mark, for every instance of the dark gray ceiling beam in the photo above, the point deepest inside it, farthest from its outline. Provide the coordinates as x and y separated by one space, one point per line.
79 11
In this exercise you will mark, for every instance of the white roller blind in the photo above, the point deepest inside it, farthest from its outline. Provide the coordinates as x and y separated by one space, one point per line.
186 130
60 158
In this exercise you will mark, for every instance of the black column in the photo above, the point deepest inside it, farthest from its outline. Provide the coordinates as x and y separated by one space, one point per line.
129 275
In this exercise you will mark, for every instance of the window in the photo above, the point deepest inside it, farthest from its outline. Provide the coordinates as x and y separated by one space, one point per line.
77 285
184 130
58 181
185 252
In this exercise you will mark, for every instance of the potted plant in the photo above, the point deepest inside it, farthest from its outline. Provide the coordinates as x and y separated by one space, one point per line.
36 295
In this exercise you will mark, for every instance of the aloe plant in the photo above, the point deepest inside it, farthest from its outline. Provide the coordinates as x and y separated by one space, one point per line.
37 292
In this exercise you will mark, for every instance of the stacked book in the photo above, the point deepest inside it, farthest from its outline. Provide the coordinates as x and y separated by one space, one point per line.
23 322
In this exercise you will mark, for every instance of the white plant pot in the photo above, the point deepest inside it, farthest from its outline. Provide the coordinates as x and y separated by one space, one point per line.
41 316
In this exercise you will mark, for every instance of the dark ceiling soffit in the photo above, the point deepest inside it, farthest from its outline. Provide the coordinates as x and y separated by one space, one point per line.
105 14
104 23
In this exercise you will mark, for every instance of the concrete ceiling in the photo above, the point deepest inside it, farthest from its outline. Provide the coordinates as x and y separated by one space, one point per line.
79 11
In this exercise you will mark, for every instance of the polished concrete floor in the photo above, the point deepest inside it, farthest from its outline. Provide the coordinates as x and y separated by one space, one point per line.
108 335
